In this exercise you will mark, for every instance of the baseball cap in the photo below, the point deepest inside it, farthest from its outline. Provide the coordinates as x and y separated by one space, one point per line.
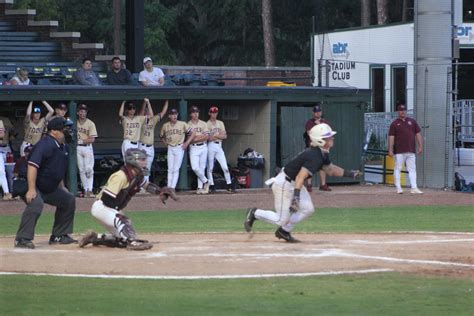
214 109
194 109
58 124
36 110
130 105
173 111
61 105
401 107
317 107
146 59
82 107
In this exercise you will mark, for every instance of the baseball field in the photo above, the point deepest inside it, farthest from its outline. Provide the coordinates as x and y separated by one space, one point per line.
365 251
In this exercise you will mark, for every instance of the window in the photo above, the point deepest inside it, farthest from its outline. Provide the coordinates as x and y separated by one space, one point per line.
399 85
377 84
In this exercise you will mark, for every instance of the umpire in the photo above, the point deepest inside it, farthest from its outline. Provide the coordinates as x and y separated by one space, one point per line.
47 167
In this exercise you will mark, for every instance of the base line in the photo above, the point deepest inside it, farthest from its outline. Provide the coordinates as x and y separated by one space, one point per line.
199 277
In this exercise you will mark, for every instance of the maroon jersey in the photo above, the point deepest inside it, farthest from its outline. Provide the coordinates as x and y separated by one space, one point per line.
309 125
404 132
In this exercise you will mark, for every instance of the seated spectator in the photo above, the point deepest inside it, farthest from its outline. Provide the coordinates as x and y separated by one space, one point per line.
118 75
151 76
86 76
20 78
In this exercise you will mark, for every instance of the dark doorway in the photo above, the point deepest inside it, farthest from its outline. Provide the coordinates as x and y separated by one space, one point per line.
377 84
399 86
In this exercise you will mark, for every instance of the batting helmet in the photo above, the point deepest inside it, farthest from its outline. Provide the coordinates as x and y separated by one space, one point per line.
137 158
318 133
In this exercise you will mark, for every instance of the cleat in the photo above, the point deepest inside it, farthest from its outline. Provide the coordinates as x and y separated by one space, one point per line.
61 240
283 234
205 189
248 223
24 243
325 188
89 238
399 191
416 191
212 189
230 189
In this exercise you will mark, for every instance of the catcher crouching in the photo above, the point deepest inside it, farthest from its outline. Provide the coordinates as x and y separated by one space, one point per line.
114 197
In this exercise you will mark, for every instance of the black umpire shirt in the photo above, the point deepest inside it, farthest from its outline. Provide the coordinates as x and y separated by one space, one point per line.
311 158
51 159
123 77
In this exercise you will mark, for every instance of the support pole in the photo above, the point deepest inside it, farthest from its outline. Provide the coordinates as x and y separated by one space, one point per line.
135 34
183 183
72 166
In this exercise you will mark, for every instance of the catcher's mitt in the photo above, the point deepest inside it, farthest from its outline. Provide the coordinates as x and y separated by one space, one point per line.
166 193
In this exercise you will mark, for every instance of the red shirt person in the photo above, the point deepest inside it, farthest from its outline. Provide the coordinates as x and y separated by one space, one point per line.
404 140
315 120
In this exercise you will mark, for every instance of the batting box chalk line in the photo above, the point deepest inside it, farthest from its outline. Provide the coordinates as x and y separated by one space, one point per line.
200 277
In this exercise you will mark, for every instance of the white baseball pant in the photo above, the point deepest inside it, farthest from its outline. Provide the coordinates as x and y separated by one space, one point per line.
22 148
3 175
215 152
150 155
85 164
198 158
175 159
126 144
409 160
283 194
106 216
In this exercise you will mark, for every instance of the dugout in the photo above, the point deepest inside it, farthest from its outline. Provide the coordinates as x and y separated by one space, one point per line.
268 119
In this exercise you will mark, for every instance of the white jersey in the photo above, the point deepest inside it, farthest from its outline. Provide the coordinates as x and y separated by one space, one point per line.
153 77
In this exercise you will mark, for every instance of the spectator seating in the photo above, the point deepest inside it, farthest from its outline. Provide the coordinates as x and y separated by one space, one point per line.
25 46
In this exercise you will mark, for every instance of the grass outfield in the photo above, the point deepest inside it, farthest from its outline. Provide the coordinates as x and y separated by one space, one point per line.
373 294
377 294
403 218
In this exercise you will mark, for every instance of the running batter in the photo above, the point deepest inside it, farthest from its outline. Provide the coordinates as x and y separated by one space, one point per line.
173 134
217 134
34 125
292 201
198 150
132 126
86 135
147 135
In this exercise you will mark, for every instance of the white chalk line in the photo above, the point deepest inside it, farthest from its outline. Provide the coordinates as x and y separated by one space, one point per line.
407 242
325 253
201 277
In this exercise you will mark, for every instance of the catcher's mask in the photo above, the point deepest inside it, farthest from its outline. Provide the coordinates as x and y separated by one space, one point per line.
319 133
137 158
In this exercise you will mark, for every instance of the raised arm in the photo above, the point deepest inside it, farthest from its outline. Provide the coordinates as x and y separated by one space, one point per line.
50 110
165 109
28 111
149 108
121 110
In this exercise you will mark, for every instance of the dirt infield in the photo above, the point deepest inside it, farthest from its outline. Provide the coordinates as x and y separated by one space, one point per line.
340 197
218 255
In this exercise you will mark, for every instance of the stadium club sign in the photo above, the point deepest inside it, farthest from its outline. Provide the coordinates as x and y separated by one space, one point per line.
341 70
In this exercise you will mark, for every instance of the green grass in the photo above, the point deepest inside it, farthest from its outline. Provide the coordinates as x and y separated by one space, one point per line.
378 294
406 218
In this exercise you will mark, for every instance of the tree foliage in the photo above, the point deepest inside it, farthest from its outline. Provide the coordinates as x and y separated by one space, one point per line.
213 32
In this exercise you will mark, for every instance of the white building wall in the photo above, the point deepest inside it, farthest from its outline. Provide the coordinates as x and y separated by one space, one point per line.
352 52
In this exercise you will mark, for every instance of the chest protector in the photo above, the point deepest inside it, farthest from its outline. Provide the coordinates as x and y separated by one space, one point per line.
126 194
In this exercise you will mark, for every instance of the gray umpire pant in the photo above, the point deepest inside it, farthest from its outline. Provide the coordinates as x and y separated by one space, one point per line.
65 204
